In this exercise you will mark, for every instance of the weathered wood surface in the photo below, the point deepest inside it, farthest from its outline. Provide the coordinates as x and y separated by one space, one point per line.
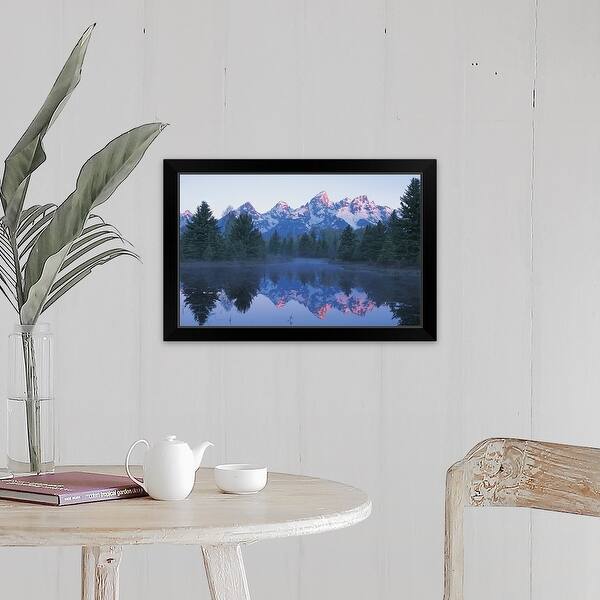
100 572
453 543
510 472
290 505
322 79
516 473
225 572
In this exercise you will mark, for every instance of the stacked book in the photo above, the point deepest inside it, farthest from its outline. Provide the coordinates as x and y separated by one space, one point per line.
73 487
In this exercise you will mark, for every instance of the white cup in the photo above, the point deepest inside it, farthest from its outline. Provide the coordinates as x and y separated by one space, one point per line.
240 478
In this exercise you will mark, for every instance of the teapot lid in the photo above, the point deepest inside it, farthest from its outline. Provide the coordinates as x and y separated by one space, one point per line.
171 439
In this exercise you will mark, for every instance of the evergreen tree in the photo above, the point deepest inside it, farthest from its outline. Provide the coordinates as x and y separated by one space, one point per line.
241 295
363 249
372 242
275 243
378 240
322 248
201 302
244 240
347 246
410 222
407 314
288 246
304 245
202 239
313 243
394 233
333 245
387 254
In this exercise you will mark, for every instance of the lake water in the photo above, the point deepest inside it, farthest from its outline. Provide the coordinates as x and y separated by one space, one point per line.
300 292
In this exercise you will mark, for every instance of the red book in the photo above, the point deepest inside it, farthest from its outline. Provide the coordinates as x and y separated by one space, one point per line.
72 487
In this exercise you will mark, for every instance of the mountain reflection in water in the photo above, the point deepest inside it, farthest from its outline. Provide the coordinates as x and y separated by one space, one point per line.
301 292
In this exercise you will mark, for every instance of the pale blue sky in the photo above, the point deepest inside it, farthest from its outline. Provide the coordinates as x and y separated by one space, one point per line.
265 190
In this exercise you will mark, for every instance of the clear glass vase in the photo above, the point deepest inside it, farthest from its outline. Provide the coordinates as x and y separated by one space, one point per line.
30 404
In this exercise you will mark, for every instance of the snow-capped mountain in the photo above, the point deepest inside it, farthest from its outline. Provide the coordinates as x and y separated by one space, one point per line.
318 213
319 299
263 222
361 212
184 219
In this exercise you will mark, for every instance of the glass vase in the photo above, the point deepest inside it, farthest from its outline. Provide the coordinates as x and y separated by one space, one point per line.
30 404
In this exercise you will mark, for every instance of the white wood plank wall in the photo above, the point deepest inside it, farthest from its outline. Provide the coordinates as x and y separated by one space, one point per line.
519 325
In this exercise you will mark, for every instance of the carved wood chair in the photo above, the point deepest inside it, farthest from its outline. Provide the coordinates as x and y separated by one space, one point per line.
519 473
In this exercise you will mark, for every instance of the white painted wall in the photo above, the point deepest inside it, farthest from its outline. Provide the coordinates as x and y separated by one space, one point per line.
518 272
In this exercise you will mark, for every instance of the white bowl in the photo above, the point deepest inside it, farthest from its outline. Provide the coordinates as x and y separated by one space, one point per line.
240 478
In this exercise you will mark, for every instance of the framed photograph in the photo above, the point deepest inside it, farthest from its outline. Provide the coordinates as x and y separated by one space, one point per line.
325 250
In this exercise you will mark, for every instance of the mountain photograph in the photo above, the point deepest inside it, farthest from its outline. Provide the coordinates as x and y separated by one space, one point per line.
268 251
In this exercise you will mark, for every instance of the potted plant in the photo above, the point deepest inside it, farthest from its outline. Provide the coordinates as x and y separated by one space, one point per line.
45 250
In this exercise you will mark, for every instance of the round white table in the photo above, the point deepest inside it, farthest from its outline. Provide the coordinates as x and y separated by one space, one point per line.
290 505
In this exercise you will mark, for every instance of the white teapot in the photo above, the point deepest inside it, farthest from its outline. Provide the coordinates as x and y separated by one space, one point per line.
169 467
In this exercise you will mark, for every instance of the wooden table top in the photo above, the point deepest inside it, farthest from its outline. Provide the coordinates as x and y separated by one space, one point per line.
290 505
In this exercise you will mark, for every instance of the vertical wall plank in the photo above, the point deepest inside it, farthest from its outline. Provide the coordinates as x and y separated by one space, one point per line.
498 62
179 386
32 57
102 312
566 276
458 111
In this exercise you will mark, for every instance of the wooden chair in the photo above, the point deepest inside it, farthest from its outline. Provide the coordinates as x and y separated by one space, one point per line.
520 473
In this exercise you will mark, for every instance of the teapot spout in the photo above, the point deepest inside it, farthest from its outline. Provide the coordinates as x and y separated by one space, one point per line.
198 452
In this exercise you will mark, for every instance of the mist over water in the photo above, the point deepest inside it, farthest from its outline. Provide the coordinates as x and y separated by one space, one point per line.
300 292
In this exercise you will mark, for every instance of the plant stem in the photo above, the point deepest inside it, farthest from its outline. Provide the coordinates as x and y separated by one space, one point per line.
32 402
18 275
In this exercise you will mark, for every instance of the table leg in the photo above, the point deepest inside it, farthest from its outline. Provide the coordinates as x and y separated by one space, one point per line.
225 572
100 572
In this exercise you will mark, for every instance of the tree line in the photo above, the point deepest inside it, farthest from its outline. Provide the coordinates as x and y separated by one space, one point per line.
203 240
398 240
308 245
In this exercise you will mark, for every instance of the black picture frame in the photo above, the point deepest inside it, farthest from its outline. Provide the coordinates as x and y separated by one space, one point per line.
173 168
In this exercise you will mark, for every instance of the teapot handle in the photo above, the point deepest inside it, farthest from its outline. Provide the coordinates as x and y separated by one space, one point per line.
127 463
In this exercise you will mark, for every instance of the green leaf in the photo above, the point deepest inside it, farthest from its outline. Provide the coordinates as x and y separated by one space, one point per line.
31 224
65 283
29 153
7 258
35 227
98 179
31 214
8 292
7 274
74 256
29 246
6 255
103 231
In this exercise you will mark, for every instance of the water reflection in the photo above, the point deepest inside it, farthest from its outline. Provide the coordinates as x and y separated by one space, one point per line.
299 292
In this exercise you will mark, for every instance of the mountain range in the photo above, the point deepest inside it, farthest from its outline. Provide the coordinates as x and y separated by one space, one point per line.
318 213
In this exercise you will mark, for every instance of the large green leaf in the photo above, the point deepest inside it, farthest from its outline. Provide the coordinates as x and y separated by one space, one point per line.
84 240
8 291
31 225
7 274
98 179
81 271
31 214
29 153
99 240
